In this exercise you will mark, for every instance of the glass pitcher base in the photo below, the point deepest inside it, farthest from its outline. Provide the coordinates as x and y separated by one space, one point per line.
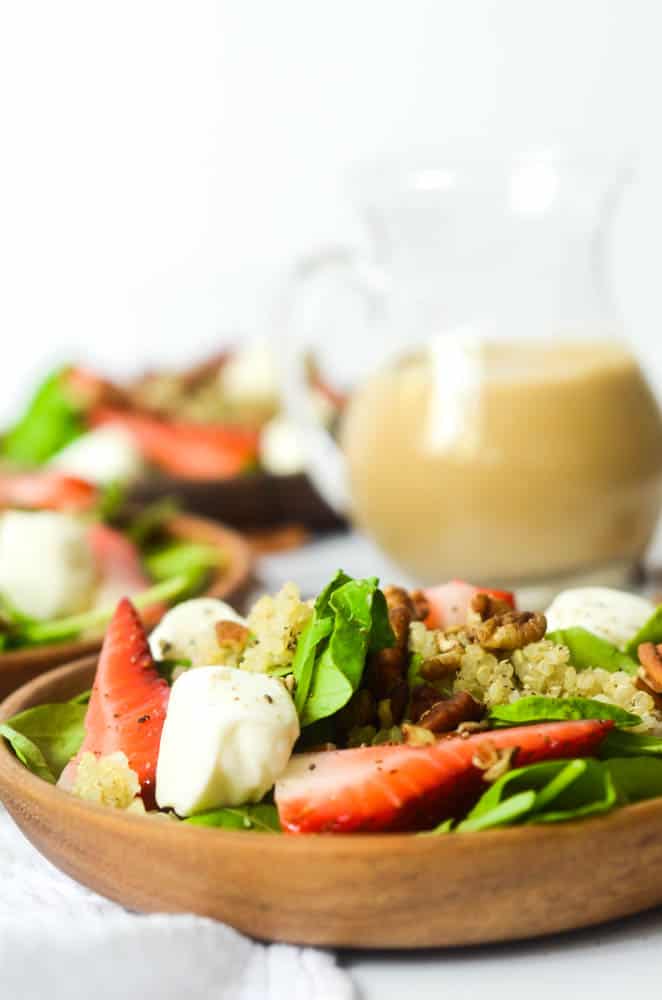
538 594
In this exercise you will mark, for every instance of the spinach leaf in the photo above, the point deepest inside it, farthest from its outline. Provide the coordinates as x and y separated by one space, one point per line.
262 818
551 792
27 752
508 811
350 619
635 778
50 421
45 738
330 690
618 743
538 709
192 560
314 632
650 631
588 650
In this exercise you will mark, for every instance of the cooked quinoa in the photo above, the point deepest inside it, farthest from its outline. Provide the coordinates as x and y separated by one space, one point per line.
108 781
275 624
543 668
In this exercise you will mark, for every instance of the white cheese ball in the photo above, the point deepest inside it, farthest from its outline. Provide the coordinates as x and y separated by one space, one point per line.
47 568
250 375
614 615
188 631
280 447
227 737
105 455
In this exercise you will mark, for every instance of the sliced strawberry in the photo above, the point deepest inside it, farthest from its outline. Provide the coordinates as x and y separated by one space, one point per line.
119 567
449 602
410 787
47 491
194 451
128 703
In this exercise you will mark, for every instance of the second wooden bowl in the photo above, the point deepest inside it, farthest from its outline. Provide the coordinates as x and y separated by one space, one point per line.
228 582
366 891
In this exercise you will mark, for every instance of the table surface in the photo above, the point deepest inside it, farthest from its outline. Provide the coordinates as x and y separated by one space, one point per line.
611 958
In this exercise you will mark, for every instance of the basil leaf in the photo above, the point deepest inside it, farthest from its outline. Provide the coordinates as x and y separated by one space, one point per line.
54 731
49 422
588 650
636 778
314 632
618 743
262 818
650 631
539 709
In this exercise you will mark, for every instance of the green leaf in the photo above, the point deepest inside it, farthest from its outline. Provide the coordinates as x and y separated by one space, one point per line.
35 633
539 709
27 752
508 811
636 778
190 559
314 632
349 619
588 650
329 692
523 779
591 792
50 422
54 731
261 818
650 631
618 743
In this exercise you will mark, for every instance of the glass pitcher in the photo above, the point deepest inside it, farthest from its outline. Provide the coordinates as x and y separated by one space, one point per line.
497 426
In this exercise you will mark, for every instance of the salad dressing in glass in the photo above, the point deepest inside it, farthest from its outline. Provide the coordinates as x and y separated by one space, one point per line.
507 461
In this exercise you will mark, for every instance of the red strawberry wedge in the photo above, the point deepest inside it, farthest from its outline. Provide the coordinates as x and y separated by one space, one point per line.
449 602
128 704
46 491
372 789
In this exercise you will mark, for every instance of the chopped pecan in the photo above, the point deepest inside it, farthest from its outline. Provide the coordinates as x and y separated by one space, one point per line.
421 605
423 697
483 606
232 635
496 770
360 710
448 713
650 672
387 668
509 630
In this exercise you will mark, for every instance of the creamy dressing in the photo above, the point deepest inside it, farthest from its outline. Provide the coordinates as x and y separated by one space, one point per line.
517 461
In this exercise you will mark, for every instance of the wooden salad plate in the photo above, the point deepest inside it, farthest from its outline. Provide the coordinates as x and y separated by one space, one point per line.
229 581
362 890
253 502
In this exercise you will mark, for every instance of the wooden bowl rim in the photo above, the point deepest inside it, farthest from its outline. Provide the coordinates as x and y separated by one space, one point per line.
226 581
16 778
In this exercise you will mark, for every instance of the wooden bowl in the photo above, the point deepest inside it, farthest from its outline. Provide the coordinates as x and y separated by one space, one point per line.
252 502
229 581
367 891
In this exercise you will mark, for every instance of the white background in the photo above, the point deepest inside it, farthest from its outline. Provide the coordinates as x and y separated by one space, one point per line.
163 161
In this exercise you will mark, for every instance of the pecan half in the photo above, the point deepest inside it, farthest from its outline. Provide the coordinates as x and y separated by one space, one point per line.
650 672
387 668
509 630
232 635
448 713
484 606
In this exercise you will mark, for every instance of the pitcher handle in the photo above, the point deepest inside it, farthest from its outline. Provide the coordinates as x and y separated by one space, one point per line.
349 271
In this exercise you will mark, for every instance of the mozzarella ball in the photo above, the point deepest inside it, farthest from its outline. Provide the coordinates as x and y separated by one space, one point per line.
614 615
105 455
47 568
227 737
188 631
280 448
250 375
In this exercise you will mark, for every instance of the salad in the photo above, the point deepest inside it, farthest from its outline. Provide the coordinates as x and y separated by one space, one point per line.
64 567
217 420
366 710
